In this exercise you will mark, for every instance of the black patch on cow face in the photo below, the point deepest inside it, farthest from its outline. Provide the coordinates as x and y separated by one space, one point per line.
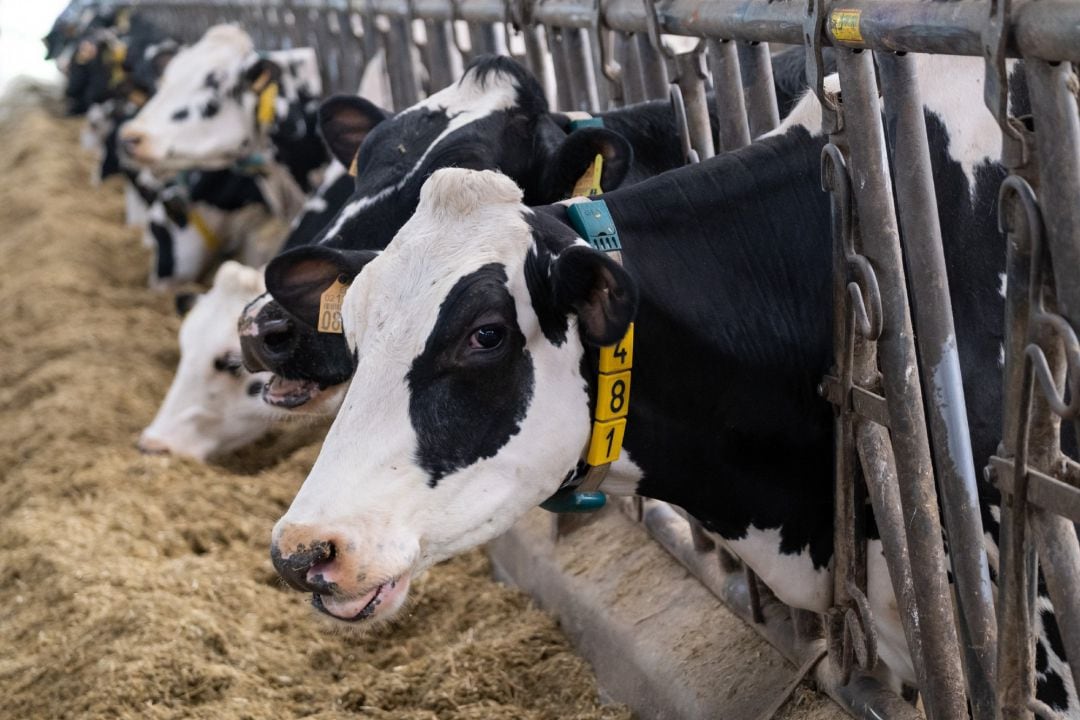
254 388
165 263
212 107
181 114
471 386
212 81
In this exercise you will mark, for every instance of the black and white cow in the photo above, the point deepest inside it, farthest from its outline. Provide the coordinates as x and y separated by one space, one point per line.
212 406
494 117
475 335
220 104
215 215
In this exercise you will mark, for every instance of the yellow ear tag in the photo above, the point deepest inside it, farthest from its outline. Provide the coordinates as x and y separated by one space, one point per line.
267 99
330 307
588 185
209 238
352 165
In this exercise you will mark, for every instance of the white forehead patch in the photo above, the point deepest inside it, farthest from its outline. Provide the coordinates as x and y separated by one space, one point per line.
465 220
464 102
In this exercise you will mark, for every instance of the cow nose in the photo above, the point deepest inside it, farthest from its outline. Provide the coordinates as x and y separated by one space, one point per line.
269 346
301 568
149 445
130 140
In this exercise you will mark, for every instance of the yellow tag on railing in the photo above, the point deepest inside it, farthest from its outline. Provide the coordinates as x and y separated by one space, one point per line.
606 442
588 185
352 165
844 25
619 356
267 100
330 308
612 395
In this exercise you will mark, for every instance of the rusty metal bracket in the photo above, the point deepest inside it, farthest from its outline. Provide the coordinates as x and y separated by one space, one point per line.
1015 151
813 35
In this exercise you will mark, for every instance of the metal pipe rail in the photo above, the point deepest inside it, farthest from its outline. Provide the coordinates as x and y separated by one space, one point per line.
608 52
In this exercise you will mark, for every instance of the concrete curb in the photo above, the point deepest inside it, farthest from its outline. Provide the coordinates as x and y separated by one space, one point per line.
657 639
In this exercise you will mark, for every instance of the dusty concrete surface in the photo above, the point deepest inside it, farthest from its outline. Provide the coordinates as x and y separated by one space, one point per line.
140 587
670 649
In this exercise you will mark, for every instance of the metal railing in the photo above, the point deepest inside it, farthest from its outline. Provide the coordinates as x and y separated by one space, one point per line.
893 429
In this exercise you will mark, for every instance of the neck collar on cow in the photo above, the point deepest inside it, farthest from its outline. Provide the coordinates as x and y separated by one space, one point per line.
210 239
581 491
253 164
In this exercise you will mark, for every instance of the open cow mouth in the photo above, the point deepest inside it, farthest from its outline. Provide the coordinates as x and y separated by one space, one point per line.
389 595
289 393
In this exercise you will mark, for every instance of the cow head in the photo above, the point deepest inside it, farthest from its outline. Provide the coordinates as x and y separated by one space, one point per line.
218 102
213 404
468 405
189 228
495 117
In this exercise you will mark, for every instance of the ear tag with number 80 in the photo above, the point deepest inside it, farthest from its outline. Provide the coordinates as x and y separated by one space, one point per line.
330 307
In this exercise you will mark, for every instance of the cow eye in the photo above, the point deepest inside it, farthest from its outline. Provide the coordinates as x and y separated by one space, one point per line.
487 337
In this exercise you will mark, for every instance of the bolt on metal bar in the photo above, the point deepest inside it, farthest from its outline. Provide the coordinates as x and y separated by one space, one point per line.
755 63
944 691
733 131
947 409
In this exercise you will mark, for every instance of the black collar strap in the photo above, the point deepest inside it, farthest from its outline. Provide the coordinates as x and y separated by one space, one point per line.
581 491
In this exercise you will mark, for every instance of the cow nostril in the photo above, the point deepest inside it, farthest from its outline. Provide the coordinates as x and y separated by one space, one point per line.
296 568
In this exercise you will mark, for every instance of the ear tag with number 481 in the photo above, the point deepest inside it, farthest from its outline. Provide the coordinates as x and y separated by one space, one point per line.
330 307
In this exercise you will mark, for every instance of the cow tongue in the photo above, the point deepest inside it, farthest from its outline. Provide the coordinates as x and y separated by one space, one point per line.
289 393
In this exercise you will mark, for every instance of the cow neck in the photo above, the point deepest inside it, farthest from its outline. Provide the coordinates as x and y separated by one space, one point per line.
732 261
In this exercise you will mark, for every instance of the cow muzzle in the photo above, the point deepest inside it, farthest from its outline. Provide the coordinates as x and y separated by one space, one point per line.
339 587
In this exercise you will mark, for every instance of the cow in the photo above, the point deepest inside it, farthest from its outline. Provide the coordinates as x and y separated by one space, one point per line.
219 214
210 367
496 116
200 401
474 338
220 104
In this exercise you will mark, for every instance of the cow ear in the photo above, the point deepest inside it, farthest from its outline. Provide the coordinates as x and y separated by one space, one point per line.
261 73
345 120
598 290
184 302
298 278
573 156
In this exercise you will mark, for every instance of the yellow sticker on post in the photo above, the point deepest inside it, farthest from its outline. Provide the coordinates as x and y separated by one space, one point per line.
330 307
844 25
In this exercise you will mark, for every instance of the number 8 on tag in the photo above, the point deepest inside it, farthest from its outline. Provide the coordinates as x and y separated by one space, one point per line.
330 308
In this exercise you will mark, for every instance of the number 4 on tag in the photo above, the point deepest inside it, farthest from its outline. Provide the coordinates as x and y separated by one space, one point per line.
330 307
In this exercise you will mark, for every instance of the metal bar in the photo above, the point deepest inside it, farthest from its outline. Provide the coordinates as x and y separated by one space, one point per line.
944 691
690 76
733 131
632 75
1044 491
399 64
755 63
440 62
1059 557
654 74
883 489
483 39
947 409
565 90
1057 147
1015 661
579 55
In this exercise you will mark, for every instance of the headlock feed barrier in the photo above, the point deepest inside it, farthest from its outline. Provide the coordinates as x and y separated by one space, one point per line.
902 441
